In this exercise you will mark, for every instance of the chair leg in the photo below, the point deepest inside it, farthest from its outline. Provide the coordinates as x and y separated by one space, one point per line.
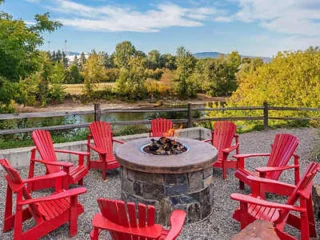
224 173
81 182
241 185
104 172
94 234
73 228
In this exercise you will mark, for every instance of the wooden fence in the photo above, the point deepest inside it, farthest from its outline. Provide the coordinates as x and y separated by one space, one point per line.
97 112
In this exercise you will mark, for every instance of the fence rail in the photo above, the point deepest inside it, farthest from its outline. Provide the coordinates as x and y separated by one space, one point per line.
97 112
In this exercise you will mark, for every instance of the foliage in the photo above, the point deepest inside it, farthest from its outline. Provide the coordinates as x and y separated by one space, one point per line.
18 45
73 74
28 89
93 72
124 52
56 92
154 74
291 79
185 66
168 61
112 74
131 82
154 59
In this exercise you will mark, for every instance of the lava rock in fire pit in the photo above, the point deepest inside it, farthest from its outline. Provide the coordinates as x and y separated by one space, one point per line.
164 146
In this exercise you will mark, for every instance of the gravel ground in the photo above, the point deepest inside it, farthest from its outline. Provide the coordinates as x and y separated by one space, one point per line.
219 225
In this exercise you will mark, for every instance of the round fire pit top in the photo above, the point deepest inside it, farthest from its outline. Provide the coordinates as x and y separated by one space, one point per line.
200 155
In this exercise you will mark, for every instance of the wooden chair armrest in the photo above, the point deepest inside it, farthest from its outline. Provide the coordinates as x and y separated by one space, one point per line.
57 163
72 152
65 194
273 186
45 177
177 219
150 232
237 156
98 150
274 169
230 149
118 141
253 200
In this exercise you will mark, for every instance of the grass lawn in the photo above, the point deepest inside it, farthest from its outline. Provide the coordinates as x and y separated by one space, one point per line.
76 89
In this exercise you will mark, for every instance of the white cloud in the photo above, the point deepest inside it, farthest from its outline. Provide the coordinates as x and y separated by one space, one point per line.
223 19
115 18
284 16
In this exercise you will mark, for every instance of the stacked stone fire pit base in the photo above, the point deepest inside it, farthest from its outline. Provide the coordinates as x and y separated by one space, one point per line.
182 181
192 192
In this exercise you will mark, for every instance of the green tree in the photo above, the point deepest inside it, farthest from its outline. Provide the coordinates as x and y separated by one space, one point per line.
56 92
124 52
154 59
18 45
185 66
93 73
131 82
82 61
168 61
73 74
28 89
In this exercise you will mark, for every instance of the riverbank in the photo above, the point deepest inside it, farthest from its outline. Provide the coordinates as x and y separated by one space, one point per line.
69 104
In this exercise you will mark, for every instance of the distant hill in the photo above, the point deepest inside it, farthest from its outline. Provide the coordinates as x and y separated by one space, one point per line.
202 55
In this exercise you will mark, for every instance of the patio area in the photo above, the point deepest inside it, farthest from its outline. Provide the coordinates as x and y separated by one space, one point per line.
220 225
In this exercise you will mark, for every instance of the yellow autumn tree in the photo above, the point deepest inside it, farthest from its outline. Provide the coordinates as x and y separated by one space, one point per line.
291 79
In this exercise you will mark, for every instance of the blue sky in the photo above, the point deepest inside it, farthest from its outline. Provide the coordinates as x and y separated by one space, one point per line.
252 27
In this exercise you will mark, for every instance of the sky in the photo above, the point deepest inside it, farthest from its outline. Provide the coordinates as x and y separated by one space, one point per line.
252 27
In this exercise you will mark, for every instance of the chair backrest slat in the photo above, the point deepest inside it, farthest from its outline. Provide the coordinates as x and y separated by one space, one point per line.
304 183
151 215
126 215
283 148
223 134
44 144
142 215
102 135
16 183
160 127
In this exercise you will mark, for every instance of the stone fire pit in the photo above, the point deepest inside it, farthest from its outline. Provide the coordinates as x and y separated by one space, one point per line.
182 181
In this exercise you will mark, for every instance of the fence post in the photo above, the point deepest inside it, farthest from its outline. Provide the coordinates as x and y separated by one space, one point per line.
265 115
97 112
190 115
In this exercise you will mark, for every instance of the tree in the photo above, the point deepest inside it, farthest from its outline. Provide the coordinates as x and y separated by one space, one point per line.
168 61
185 65
93 73
82 61
108 61
18 45
56 91
124 52
154 59
131 82
73 74
290 79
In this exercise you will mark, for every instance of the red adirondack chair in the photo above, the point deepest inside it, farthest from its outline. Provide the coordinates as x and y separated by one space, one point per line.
122 222
282 150
161 127
103 144
253 206
49 212
222 135
44 145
